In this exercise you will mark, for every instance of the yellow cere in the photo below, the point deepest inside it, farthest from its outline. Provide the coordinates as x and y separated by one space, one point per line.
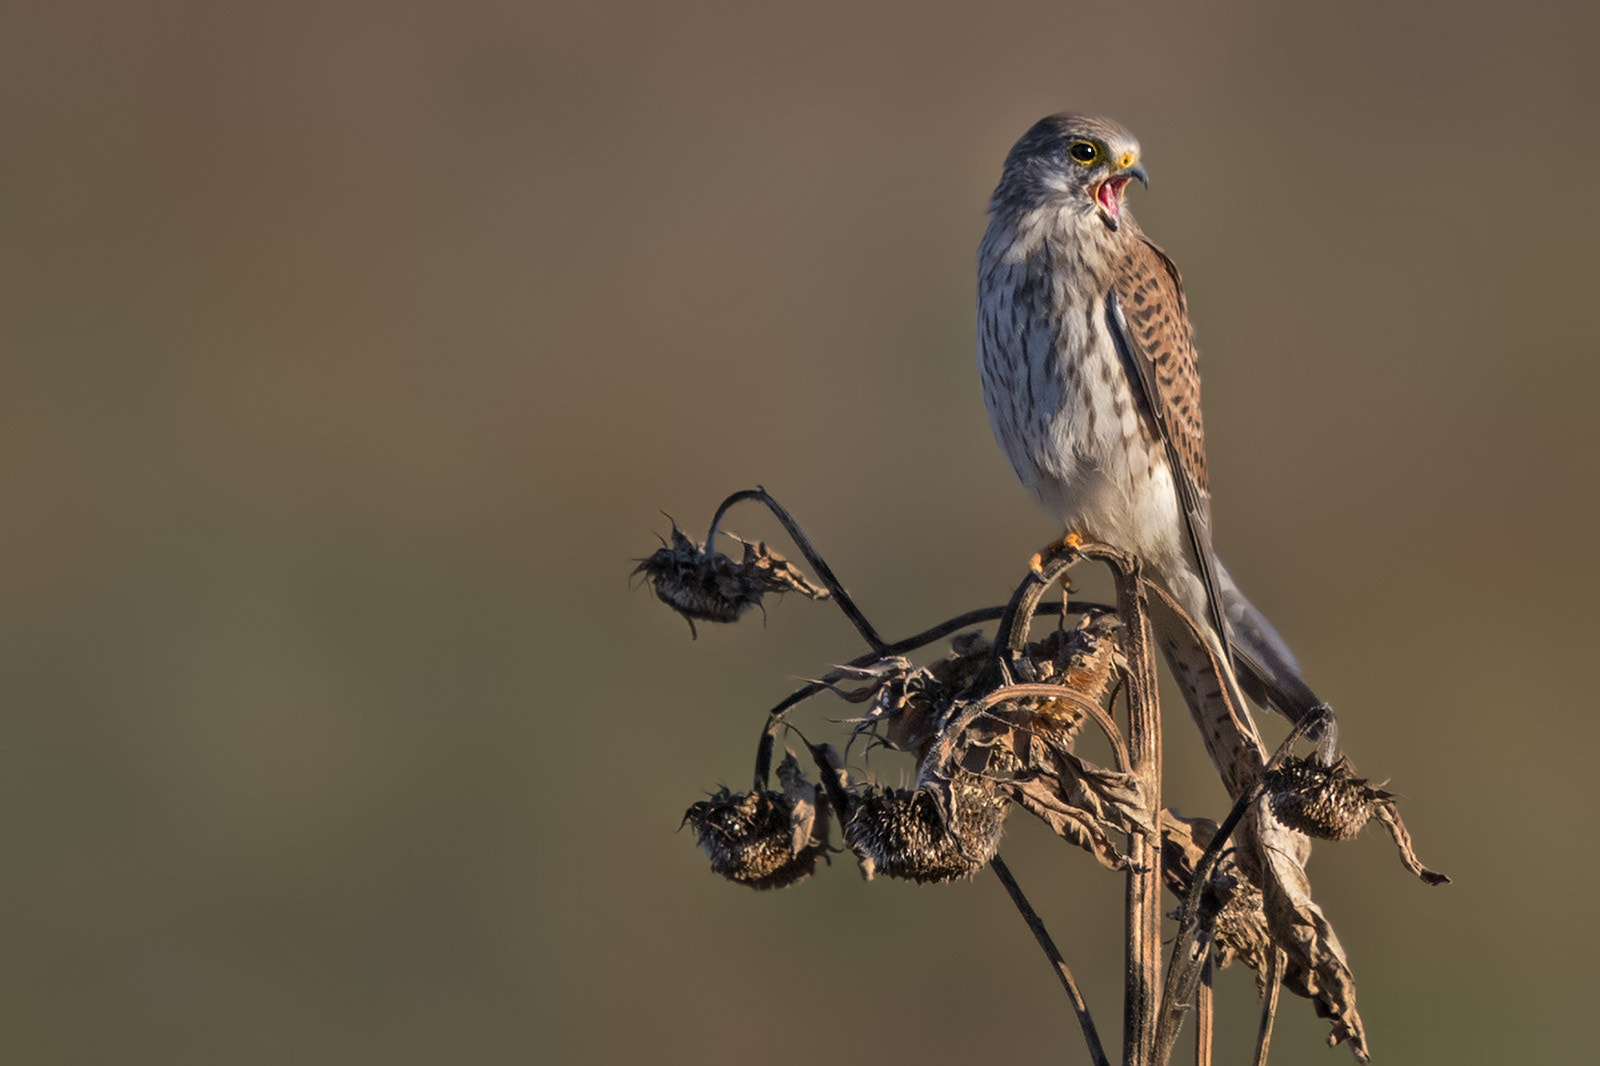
1126 161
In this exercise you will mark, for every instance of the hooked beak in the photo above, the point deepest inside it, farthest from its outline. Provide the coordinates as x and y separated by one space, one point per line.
1108 194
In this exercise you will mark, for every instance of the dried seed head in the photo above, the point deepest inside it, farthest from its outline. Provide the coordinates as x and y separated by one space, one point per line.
1083 657
763 839
908 704
711 587
1083 660
1241 929
1231 907
919 835
1236 913
1329 802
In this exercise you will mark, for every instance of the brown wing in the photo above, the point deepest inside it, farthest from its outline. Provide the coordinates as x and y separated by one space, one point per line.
1150 293
1149 319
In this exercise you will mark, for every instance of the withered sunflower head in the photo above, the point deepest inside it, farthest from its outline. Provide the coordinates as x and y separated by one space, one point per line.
1328 802
927 834
708 586
764 839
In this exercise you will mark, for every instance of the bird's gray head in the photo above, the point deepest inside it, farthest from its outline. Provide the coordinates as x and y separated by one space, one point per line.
1076 164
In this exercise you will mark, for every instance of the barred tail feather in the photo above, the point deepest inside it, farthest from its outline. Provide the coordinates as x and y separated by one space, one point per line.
1268 671
1209 687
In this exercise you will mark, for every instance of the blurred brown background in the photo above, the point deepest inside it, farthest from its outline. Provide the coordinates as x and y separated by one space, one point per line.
350 353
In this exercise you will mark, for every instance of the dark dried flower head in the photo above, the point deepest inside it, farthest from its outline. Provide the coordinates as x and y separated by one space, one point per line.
711 587
909 706
763 839
1241 929
922 835
1082 660
1231 909
1329 802
1083 656
908 703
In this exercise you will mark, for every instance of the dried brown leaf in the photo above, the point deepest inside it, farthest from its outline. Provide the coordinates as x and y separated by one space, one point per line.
1389 815
1110 797
1041 797
776 574
803 799
1316 964
870 679
1331 802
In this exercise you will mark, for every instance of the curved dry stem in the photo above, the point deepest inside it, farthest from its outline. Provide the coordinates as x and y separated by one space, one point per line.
1189 955
1013 634
1091 1036
1269 1009
1019 615
776 716
1062 692
1204 1017
1012 637
818 563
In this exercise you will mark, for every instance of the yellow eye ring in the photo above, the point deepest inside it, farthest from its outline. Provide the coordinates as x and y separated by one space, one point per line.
1085 152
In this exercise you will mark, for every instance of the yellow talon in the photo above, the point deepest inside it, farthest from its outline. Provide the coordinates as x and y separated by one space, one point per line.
1070 541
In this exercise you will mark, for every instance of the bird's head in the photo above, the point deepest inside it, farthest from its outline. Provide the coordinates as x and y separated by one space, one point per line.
1077 162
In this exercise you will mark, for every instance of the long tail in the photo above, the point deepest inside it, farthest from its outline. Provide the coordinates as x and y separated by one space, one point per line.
1268 672
1272 856
1263 669
1200 668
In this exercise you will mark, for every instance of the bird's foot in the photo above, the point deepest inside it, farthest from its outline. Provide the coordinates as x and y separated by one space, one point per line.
1070 541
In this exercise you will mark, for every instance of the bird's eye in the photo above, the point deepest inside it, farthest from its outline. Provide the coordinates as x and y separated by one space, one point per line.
1083 152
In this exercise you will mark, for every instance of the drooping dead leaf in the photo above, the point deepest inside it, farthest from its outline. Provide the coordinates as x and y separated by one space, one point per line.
1389 815
1317 967
1042 798
1331 802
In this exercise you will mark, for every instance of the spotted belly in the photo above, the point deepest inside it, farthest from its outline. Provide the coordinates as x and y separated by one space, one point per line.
1063 411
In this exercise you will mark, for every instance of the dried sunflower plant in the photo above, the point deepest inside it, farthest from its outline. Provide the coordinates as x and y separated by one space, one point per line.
994 724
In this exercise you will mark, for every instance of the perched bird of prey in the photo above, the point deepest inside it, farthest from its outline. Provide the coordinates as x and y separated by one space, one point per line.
1091 380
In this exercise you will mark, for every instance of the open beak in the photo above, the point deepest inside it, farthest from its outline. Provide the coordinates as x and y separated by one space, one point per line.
1108 194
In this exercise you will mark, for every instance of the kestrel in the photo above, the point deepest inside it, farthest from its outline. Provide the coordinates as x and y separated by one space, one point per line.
1091 380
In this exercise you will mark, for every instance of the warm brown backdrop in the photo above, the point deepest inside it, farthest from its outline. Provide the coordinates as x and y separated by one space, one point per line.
350 352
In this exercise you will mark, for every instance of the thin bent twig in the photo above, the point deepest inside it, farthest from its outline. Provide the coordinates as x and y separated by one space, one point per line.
1269 1009
1204 1017
1189 951
1044 690
776 716
1091 1036
818 563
